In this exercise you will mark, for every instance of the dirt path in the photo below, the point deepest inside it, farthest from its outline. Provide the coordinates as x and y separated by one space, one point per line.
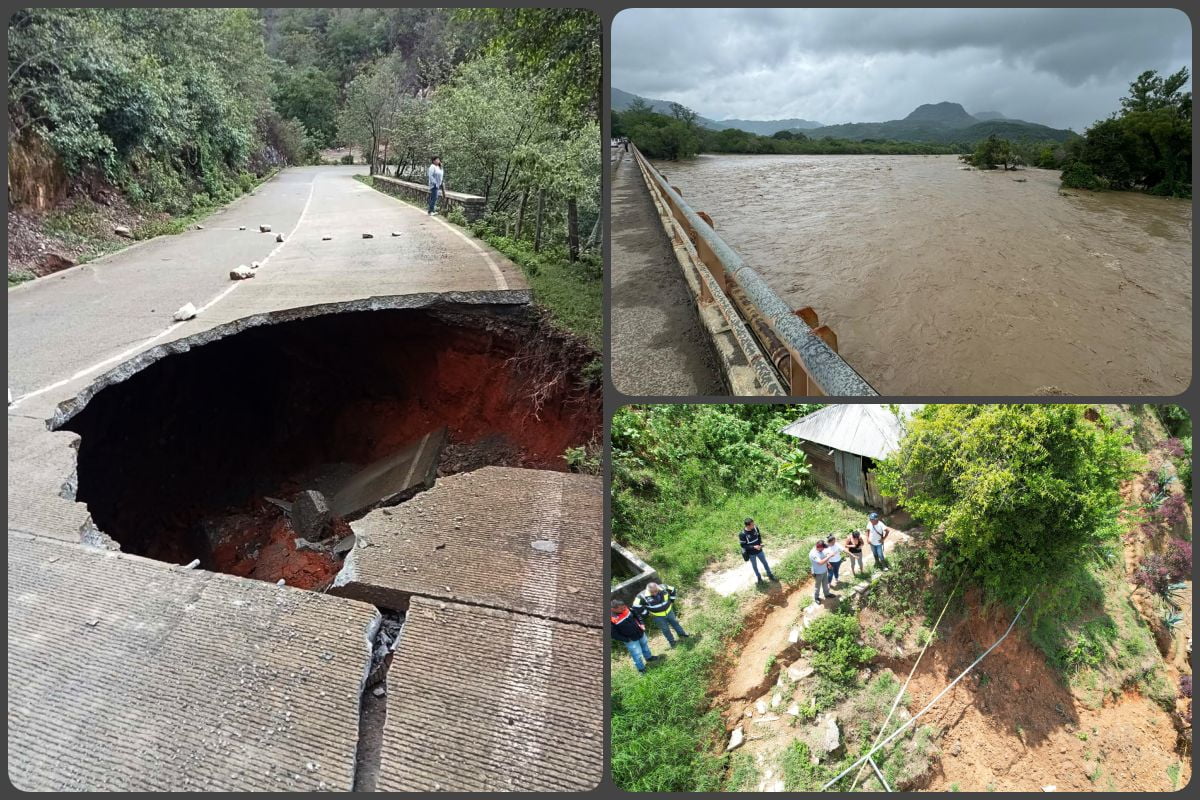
767 627
725 579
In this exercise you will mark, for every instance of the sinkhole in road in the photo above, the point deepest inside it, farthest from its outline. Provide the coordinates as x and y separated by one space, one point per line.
212 452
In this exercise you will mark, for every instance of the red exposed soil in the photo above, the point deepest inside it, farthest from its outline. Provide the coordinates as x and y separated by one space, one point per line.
1011 725
263 546
203 436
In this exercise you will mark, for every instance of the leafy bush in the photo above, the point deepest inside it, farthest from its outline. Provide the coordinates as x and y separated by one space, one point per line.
837 654
1157 572
1010 488
1172 510
1079 175
347 158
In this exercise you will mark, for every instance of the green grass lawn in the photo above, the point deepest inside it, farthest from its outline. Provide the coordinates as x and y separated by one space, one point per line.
705 535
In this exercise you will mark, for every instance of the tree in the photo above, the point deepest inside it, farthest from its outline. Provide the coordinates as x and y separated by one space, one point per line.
310 97
991 152
372 101
558 47
1010 489
1146 145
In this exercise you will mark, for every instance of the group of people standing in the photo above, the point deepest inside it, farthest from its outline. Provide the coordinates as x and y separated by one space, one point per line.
657 601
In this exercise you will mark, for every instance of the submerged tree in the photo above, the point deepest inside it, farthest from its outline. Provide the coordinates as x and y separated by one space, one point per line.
1146 145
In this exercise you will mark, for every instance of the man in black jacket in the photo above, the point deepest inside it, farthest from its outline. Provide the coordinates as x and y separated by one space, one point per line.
629 631
752 549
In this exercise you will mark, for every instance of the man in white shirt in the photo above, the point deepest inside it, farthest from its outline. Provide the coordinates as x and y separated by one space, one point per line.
818 559
877 532
436 178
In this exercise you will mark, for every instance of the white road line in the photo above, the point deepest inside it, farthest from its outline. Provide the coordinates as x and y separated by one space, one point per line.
137 348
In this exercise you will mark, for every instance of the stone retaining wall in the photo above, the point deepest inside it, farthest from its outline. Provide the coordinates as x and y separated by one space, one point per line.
472 205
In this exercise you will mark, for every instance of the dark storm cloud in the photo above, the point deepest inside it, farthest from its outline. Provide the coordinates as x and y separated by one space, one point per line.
1061 67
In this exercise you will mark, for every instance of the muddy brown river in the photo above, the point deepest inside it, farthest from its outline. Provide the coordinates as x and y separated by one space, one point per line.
943 281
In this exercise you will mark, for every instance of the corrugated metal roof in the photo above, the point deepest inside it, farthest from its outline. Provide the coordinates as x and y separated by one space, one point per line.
864 429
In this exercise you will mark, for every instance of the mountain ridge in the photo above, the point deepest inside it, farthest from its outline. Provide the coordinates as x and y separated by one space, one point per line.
944 122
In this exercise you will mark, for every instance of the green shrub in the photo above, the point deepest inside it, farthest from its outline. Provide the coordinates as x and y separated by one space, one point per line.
245 182
798 771
1079 175
837 654
347 158
1011 489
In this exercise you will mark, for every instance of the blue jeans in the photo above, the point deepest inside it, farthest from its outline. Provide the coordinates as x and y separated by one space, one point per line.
668 621
433 197
834 566
638 649
877 551
759 555
820 582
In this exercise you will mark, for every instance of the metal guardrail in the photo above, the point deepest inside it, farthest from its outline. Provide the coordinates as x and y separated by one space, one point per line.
802 351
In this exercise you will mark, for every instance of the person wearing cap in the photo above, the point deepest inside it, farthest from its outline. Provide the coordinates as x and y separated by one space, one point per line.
854 548
834 551
818 559
752 549
658 603
877 533
629 631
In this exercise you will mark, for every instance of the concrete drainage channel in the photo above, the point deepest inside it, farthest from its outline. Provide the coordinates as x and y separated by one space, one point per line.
289 450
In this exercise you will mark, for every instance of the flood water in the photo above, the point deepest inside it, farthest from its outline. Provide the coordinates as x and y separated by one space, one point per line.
943 281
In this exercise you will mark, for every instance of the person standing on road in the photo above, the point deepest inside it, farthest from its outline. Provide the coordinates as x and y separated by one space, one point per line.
854 546
658 602
752 549
629 631
877 533
436 178
834 550
818 559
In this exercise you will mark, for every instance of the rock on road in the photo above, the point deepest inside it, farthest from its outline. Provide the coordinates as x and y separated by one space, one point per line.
71 321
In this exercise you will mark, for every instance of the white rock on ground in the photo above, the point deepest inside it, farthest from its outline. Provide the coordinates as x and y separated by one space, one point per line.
368 236
240 273
255 265
793 709
264 228
395 233
326 238
799 670
122 230
279 237
794 635
831 737
760 706
736 739
241 227
776 700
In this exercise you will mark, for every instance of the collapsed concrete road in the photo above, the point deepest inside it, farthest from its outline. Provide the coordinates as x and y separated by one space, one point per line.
152 454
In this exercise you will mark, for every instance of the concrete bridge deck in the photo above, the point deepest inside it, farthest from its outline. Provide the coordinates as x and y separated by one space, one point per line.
127 673
659 346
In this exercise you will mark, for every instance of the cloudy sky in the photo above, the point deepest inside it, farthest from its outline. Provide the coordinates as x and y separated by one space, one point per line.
1060 67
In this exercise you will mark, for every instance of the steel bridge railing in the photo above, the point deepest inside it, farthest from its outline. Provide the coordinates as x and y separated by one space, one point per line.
802 351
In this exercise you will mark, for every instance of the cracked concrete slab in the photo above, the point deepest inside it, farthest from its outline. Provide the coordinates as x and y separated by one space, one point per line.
524 540
127 674
487 700
40 465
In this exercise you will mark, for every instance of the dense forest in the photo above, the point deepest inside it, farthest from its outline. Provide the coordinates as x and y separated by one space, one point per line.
179 110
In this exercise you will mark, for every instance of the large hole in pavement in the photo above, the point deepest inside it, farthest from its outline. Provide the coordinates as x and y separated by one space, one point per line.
177 461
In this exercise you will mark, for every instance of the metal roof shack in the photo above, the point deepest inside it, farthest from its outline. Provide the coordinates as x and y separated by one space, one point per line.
843 442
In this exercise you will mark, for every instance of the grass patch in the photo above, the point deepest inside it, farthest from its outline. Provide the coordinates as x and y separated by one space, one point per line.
743 774
665 738
19 276
702 535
